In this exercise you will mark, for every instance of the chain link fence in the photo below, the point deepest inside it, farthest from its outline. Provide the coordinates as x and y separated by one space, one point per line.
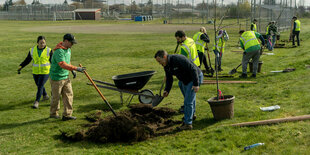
38 12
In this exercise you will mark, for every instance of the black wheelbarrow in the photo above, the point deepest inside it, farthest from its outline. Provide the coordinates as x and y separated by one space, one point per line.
131 84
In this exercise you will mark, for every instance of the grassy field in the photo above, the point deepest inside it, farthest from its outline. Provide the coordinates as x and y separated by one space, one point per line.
24 130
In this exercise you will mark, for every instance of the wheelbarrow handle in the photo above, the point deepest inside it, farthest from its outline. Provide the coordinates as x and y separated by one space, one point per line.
104 99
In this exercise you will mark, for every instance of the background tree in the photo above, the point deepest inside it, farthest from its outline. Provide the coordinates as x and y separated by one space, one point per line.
20 2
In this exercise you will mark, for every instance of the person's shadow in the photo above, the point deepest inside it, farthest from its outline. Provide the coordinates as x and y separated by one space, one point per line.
4 126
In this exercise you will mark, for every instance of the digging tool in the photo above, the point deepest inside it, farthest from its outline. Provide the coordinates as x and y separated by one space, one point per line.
211 69
176 48
158 98
104 99
233 71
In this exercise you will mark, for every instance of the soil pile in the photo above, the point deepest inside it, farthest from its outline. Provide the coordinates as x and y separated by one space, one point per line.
138 123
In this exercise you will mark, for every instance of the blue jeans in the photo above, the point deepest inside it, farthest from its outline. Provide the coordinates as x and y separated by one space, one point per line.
40 80
189 99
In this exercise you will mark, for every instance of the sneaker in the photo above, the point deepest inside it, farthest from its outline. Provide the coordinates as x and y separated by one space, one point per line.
45 97
185 127
181 110
35 105
243 75
66 118
253 75
55 116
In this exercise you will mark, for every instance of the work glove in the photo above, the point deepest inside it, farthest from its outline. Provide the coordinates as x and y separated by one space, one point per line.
81 69
19 69
74 74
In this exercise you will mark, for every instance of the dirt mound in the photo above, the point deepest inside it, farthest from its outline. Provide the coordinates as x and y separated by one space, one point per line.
138 123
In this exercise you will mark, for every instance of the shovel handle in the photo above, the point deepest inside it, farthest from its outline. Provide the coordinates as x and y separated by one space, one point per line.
176 48
238 66
93 83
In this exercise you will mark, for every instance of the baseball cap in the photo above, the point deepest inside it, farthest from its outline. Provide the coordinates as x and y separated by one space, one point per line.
70 38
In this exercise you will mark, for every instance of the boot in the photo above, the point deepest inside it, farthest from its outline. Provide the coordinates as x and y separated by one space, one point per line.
185 127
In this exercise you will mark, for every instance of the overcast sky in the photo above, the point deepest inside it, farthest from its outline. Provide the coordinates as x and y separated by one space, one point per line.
307 2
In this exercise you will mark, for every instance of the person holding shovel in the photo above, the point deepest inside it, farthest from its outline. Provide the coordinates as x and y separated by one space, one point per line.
220 47
271 33
251 47
190 77
60 82
188 47
201 39
40 55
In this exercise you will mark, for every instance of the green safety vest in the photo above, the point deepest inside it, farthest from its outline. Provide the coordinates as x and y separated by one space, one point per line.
41 64
220 45
200 44
190 48
249 39
297 25
254 27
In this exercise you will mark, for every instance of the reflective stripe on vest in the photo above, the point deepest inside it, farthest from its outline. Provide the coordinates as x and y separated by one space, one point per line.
218 46
191 50
200 44
297 28
249 39
41 64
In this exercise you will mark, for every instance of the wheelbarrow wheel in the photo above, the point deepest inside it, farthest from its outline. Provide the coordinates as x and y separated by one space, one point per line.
145 99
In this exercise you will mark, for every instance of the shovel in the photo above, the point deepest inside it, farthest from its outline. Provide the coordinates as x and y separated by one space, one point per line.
104 99
233 71
158 98
212 70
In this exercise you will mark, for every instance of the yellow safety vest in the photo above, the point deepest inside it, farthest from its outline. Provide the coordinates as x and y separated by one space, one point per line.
267 30
249 39
297 28
254 27
190 48
220 45
200 44
40 65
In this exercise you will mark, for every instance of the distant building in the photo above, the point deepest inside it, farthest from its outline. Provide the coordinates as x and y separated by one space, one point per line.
87 14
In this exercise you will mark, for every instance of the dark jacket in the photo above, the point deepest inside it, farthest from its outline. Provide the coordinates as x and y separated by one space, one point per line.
205 38
184 69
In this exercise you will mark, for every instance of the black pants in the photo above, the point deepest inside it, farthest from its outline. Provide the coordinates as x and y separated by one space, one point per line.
203 60
40 80
296 33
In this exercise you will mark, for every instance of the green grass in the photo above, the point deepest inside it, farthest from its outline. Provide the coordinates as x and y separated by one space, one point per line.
27 131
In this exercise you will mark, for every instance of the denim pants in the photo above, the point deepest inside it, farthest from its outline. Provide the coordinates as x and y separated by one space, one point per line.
273 41
189 99
296 33
40 80
218 59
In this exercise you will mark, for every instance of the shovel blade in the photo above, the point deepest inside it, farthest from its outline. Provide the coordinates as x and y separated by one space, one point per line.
232 71
156 100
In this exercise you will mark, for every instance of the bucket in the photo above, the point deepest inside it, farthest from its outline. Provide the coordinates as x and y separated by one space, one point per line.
260 63
222 109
